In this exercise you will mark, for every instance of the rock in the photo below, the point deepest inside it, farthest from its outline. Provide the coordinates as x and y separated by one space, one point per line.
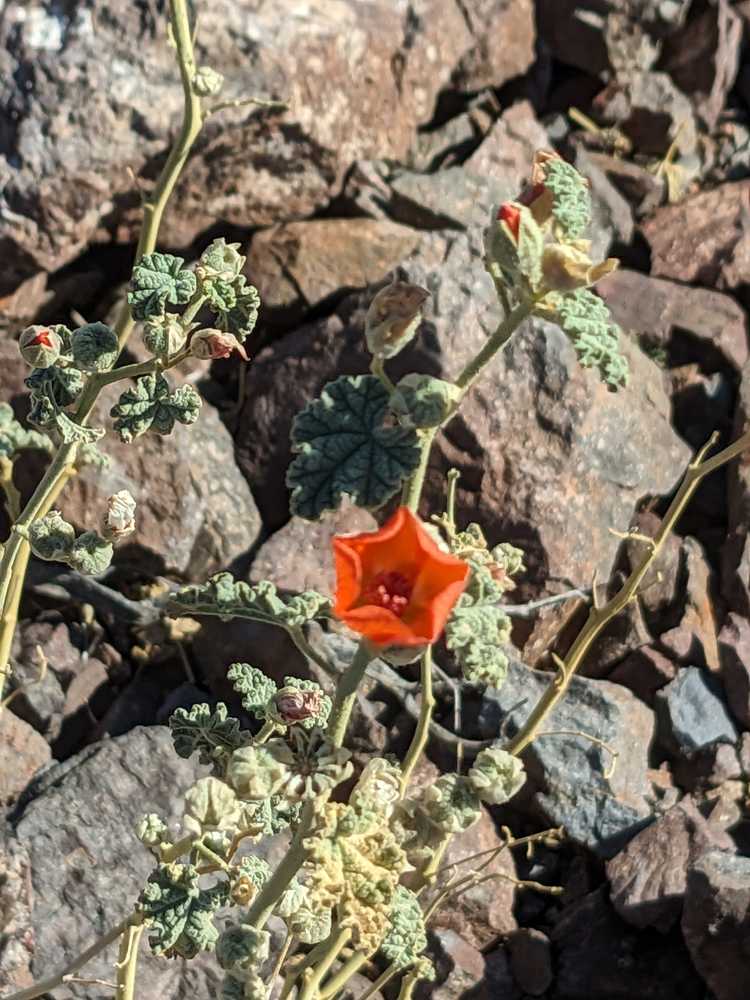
506 152
693 640
645 671
347 101
16 902
298 265
611 214
600 958
661 592
575 785
641 187
651 112
702 403
530 960
88 868
734 651
691 241
555 484
459 966
86 701
299 556
195 513
41 693
26 749
716 922
648 877
677 318
692 713
735 569
625 634
711 767
485 912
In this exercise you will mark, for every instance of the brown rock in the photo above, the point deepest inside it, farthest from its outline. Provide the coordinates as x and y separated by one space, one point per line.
665 313
530 960
648 877
693 640
734 652
642 188
736 555
500 53
508 148
716 922
86 701
24 752
691 241
662 586
299 556
297 265
644 671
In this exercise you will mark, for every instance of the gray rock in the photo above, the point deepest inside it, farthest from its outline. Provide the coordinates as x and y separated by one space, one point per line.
648 877
716 922
458 965
567 770
611 213
692 713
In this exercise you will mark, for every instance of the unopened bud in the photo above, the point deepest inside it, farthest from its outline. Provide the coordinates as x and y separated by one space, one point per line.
207 82
292 705
209 345
164 335
393 318
40 346
95 347
119 520
511 216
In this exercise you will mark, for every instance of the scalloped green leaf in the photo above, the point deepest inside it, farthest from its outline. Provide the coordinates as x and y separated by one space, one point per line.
344 448
159 278
229 598
151 404
178 913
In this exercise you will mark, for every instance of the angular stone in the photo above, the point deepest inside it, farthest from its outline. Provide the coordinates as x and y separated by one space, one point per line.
16 901
297 265
690 242
734 651
735 569
693 640
647 879
299 556
530 960
25 753
612 217
600 958
195 513
692 713
499 54
650 110
716 922
676 318
600 807
702 403
645 671
642 188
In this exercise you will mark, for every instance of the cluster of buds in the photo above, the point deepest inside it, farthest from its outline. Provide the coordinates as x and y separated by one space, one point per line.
292 705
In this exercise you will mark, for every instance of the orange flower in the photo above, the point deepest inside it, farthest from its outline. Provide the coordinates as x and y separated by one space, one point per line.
395 586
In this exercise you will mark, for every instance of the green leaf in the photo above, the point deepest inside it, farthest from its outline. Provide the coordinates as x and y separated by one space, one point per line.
255 689
586 320
14 437
571 205
344 448
212 735
234 303
406 938
424 401
477 629
73 433
90 554
152 405
52 537
241 946
227 598
52 389
178 913
157 279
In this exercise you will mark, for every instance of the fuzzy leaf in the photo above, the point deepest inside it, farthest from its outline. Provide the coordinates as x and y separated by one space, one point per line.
52 537
157 279
224 596
90 554
571 205
71 432
343 448
424 401
477 628
14 437
152 405
234 303
406 938
178 912
212 735
587 322
255 689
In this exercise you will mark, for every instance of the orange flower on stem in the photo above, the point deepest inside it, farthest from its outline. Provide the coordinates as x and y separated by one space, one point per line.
395 586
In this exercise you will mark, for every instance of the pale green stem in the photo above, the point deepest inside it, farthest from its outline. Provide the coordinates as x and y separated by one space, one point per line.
422 732
346 693
272 891
338 981
313 977
127 963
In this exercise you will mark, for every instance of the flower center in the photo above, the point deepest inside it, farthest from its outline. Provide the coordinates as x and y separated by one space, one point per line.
389 590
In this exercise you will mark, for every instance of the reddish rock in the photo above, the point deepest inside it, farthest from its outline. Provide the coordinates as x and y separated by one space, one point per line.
644 671
299 556
693 641
16 903
736 553
24 751
530 960
674 316
691 241
734 652
647 879
716 922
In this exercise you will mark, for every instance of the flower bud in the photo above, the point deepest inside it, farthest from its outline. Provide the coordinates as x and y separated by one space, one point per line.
292 705
536 195
566 266
164 335
393 318
40 346
511 216
207 82
95 347
119 520
209 345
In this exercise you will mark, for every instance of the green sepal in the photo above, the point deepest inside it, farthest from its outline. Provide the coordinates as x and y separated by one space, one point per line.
152 405
571 204
213 735
51 537
14 437
90 554
159 278
228 598
508 258
252 685
477 628
423 401
178 913
406 938
587 322
343 448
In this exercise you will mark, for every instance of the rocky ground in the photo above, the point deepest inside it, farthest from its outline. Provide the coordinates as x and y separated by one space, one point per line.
408 119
